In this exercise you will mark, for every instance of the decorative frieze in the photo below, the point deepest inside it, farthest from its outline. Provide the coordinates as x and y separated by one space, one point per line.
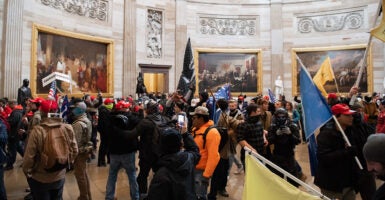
154 33
331 22
95 9
228 25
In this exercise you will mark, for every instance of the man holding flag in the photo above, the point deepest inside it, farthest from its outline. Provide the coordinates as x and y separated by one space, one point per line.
334 172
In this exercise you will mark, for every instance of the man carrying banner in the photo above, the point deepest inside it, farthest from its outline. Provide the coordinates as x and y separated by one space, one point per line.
335 175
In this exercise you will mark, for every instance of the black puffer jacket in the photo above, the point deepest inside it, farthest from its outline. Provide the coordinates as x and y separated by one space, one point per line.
336 164
121 142
174 179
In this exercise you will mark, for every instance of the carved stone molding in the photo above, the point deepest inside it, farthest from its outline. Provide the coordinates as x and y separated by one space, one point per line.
154 33
95 9
331 22
228 25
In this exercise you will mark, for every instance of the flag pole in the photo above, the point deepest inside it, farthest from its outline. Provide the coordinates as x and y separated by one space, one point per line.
347 141
284 172
368 47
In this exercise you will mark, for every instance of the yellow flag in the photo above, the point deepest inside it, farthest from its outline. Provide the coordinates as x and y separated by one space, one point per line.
379 31
261 183
324 74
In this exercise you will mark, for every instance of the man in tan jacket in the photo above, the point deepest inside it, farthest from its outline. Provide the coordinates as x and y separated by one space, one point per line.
83 128
46 184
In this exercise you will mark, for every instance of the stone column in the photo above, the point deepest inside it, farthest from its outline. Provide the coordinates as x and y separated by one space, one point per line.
181 38
129 48
277 43
11 78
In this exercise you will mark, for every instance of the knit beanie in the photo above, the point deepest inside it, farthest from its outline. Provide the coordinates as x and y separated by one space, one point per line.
374 148
170 141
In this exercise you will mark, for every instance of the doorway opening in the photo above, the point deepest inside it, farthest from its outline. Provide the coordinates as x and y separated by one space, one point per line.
155 77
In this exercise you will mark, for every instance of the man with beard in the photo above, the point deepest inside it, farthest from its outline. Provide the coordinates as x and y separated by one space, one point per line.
374 153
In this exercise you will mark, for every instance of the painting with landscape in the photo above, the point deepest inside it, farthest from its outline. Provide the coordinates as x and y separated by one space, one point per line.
344 62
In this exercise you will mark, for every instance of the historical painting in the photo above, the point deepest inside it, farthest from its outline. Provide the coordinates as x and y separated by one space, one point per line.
241 68
345 62
85 61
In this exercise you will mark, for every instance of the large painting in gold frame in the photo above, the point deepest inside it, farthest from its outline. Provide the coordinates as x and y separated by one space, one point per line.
345 64
88 59
242 68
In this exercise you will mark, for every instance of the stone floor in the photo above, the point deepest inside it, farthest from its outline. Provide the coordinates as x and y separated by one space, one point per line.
15 181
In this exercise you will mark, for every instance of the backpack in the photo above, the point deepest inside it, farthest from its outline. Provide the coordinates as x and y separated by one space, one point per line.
56 154
224 136
84 147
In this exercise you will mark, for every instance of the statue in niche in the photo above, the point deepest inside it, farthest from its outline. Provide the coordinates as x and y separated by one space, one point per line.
140 87
278 87
24 93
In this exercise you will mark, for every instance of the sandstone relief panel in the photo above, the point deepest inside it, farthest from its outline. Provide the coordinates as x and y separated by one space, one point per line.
95 9
331 22
154 33
228 25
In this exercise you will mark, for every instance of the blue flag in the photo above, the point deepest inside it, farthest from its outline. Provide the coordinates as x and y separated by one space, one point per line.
64 110
271 96
223 92
316 112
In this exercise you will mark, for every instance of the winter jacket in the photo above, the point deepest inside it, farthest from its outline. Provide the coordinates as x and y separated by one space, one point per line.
121 140
209 155
31 160
175 178
335 161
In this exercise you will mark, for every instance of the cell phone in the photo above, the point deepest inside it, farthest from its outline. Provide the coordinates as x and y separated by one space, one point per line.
181 120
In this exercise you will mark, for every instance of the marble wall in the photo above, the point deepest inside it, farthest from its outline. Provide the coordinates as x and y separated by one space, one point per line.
274 27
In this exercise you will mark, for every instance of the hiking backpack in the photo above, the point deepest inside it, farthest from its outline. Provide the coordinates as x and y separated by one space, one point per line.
56 154
222 131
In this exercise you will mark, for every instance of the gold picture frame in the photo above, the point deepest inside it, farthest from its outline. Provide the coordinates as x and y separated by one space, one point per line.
345 64
242 68
87 60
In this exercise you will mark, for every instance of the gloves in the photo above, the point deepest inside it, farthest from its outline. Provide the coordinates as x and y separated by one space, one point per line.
284 130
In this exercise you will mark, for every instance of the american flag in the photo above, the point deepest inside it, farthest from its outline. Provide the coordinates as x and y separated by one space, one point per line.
271 96
52 91
64 110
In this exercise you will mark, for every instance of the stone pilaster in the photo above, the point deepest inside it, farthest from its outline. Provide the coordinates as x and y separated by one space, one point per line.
180 37
12 64
129 48
277 43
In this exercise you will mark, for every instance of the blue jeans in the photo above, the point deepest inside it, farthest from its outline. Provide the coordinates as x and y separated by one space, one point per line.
3 193
127 161
46 191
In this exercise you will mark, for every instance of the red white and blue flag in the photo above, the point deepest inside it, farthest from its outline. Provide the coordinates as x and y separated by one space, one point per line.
52 91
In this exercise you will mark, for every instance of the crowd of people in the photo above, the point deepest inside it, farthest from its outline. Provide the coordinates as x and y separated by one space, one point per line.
175 140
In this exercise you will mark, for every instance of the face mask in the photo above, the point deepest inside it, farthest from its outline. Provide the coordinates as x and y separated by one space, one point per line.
280 121
77 111
109 106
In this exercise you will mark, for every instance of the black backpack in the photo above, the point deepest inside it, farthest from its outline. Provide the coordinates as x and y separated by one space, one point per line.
222 131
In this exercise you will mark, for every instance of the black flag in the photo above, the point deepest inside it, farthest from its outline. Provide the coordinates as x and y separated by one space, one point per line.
186 85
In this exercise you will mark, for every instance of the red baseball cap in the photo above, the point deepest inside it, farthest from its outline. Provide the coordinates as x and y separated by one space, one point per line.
122 105
332 96
48 106
36 100
108 101
342 108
